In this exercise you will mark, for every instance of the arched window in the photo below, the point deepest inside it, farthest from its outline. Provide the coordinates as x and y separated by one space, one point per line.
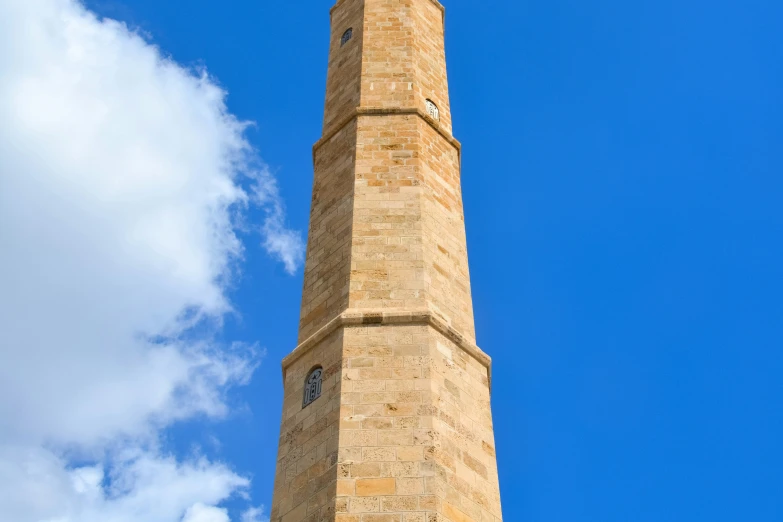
312 386
347 35
433 110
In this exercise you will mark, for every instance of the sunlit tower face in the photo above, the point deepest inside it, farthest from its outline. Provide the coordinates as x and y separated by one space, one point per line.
387 401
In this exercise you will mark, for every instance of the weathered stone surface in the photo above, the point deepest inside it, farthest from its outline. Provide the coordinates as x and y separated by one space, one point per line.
402 431
375 487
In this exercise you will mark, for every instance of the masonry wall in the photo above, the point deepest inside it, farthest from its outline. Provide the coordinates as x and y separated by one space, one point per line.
430 59
328 264
387 257
343 82
386 429
408 244
402 431
466 475
416 441
404 201
305 478
445 244
388 69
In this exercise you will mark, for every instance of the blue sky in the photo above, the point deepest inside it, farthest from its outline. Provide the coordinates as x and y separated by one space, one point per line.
621 177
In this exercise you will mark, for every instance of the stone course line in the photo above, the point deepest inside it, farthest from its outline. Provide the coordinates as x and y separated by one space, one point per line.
386 317
384 111
437 4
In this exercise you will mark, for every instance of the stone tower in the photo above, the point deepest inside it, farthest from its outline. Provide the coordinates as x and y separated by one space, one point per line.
386 416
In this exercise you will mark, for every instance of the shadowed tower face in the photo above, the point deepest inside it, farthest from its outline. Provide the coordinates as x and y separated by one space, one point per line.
386 416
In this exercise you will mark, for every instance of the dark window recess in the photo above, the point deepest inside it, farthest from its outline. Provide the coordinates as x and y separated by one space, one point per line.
347 35
312 387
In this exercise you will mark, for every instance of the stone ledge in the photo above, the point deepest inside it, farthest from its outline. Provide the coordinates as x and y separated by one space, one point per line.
436 2
353 318
387 111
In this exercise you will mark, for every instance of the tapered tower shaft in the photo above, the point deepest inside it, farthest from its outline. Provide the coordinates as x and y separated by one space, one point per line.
387 412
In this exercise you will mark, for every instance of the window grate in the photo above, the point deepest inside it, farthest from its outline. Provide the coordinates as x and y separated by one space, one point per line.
433 110
312 387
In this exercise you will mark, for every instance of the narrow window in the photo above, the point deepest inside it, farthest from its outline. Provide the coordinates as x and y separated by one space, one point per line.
347 35
312 386
432 110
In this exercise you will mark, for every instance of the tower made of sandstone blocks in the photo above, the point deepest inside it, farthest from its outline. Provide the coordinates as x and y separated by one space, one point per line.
386 415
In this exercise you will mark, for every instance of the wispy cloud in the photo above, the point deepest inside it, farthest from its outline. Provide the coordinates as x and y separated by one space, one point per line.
279 241
254 515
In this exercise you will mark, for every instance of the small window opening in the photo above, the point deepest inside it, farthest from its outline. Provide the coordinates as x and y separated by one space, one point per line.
312 386
433 110
347 35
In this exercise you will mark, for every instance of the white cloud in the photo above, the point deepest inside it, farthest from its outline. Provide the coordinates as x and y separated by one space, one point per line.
255 514
121 177
139 486
202 513
281 242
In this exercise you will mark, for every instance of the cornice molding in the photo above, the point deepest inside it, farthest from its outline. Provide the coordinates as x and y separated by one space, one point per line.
437 4
388 111
355 318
